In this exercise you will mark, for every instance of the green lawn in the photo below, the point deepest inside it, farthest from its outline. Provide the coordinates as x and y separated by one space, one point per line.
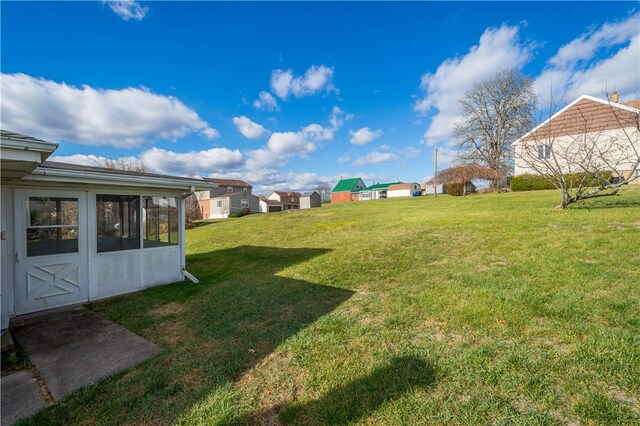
484 309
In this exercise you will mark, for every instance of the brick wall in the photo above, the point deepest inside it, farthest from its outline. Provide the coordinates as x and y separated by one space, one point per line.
205 208
340 197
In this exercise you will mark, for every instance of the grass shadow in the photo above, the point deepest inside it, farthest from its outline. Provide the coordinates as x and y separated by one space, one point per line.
352 401
212 333
612 202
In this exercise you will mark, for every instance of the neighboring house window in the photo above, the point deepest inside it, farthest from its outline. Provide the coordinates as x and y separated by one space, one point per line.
52 226
245 189
117 222
229 188
638 172
159 221
292 199
244 204
544 151
219 204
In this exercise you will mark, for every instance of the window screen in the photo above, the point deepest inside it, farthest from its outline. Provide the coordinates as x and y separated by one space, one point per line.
117 222
52 225
160 221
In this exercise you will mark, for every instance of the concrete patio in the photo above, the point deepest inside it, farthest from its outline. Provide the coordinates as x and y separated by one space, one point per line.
69 349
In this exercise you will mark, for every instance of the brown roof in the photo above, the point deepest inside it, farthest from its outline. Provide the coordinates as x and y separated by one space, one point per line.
399 186
287 195
585 116
228 182
270 202
230 194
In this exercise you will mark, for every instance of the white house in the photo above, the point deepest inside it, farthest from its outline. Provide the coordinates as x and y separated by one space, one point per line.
588 132
270 206
71 234
404 190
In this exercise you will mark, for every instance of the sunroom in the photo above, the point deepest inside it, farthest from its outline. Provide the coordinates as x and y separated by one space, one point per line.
72 234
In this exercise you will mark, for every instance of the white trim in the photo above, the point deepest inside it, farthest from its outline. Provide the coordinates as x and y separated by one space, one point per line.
588 97
44 174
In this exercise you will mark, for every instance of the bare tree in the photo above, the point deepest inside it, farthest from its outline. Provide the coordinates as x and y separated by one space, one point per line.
495 112
192 211
125 163
589 151
324 189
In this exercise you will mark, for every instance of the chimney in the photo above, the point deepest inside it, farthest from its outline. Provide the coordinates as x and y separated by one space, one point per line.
615 97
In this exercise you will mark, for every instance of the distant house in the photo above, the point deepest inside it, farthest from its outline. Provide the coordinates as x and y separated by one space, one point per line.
310 200
213 203
428 189
585 123
373 192
223 205
269 206
404 190
342 192
289 200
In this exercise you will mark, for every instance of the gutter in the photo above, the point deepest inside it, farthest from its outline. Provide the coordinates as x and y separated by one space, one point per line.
183 266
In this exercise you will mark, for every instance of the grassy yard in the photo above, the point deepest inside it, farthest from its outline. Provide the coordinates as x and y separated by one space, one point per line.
484 309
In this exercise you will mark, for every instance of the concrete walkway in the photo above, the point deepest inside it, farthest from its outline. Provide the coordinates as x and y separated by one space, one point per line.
74 348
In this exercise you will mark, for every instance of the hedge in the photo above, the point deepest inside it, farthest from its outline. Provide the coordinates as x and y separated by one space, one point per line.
531 182
455 189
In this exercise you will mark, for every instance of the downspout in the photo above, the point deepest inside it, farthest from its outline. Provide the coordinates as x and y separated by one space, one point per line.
183 265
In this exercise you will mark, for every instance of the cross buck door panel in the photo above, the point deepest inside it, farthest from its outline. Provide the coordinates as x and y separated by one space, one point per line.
51 249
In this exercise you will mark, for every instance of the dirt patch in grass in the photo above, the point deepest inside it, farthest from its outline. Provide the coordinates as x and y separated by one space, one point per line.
273 382
622 396
171 308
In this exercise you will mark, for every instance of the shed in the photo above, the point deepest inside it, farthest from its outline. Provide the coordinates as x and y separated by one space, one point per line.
72 234
310 200
404 190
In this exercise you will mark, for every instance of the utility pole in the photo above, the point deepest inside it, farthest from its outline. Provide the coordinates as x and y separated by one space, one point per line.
435 173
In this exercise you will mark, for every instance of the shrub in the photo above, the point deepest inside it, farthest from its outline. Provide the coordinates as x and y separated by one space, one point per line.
455 189
236 214
530 182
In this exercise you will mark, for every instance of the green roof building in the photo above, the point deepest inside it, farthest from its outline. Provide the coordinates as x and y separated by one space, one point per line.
341 193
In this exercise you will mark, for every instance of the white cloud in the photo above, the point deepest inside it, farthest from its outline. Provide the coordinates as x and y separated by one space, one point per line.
338 117
127 9
266 101
316 79
577 68
249 129
385 147
376 157
344 159
290 143
129 117
87 160
193 162
364 135
498 49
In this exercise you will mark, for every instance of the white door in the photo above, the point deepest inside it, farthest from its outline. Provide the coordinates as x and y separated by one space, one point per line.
51 249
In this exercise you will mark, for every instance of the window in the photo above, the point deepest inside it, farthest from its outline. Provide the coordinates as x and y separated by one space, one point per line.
159 221
219 204
244 204
544 151
638 172
244 190
52 225
229 188
117 223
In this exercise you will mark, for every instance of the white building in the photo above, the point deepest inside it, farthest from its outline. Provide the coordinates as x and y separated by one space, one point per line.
71 234
588 133
404 190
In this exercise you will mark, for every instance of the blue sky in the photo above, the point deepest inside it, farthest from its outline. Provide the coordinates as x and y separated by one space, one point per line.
286 95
